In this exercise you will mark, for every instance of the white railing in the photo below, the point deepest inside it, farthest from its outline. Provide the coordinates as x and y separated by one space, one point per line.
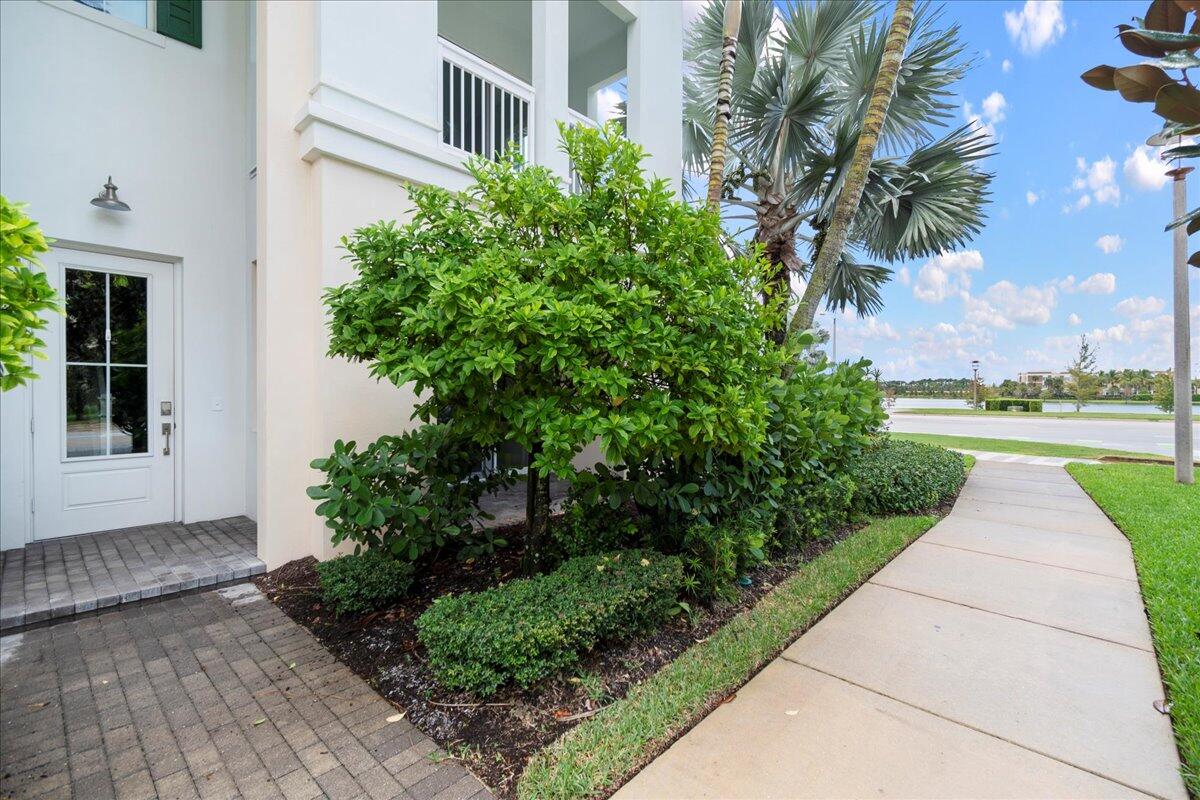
484 109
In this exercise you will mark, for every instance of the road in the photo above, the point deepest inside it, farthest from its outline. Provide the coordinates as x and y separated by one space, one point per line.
1135 435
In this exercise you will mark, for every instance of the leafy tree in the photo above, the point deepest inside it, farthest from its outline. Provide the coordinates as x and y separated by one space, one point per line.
1165 36
1082 384
799 102
1164 391
522 312
25 294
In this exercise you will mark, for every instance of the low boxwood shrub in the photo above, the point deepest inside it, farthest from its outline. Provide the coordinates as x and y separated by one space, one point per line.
529 628
361 582
1011 404
901 477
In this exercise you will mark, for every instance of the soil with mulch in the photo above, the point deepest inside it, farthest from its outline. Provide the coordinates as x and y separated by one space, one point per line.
497 737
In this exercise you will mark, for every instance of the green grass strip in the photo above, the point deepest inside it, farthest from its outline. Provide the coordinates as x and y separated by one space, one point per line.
1083 415
1162 520
1021 446
597 754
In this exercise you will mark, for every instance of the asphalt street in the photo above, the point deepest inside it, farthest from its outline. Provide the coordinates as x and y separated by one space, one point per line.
1137 435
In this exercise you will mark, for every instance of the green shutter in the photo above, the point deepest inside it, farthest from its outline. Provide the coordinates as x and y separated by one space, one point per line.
180 19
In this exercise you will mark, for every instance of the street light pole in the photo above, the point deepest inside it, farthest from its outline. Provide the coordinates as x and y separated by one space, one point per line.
975 384
1184 472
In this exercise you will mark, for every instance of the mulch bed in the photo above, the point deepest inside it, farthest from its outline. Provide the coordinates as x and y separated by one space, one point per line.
496 738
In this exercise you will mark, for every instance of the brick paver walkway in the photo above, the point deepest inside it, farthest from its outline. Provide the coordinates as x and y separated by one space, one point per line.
214 694
60 577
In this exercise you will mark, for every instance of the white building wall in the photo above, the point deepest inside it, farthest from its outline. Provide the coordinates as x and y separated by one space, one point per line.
345 118
83 99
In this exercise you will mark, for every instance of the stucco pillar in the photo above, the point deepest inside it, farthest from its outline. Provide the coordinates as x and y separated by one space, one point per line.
550 72
288 294
655 47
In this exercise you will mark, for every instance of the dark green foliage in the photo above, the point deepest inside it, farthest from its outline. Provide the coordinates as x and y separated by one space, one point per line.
589 528
529 628
715 555
812 510
552 318
357 583
901 477
411 495
1011 404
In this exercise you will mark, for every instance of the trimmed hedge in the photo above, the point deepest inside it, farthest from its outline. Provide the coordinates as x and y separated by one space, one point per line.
529 628
901 477
1011 403
353 584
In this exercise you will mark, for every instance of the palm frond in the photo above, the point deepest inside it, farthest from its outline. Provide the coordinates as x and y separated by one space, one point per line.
815 35
856 285
929 202
779 118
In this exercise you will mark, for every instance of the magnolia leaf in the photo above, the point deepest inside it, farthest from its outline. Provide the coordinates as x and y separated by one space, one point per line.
1138 46
1166 15
1195 259
1180 59
1178 104
1157 43
1186 219
1100 77
1183 151
1193 226
1189 5
1140 83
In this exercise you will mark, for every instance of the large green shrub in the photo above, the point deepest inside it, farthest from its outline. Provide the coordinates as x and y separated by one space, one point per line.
811 510
553 318
529 628
590 528
411 495
361 582
1011 404
25 294
901 477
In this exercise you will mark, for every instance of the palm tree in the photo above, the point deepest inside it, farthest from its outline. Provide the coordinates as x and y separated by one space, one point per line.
720 135
800 95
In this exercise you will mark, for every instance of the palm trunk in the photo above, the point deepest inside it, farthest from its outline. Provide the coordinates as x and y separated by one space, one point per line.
716 164
537 514
856 178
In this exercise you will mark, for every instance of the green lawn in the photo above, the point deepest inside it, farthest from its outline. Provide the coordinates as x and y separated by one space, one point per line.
1162 520
975 412
602 750
1020 446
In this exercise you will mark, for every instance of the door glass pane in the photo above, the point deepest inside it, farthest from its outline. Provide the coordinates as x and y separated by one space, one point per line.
87 432
127 319
129 410
85 315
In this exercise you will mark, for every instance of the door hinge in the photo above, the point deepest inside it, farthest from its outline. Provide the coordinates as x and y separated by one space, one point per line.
32 509
31 426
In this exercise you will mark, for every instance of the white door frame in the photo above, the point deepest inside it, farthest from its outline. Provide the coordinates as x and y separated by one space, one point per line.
179 434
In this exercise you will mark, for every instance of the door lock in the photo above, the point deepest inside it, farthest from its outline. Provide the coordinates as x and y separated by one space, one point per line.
166 429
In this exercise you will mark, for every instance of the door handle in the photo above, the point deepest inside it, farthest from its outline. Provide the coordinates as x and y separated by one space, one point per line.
166 429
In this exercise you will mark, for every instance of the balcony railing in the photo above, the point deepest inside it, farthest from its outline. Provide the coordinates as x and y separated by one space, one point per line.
484 109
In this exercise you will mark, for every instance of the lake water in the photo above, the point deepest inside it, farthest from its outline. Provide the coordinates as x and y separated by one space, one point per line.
1047 405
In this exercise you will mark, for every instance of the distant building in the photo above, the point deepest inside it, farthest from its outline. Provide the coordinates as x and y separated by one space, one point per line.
1038 378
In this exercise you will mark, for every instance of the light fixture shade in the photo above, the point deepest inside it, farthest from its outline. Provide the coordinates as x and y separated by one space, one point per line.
108 198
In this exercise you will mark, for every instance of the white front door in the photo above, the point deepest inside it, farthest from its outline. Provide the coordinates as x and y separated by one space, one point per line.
103 415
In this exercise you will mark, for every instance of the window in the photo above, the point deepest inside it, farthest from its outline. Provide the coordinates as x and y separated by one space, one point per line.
136 12
106 388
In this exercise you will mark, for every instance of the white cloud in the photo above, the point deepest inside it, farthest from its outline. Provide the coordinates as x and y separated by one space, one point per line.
1031 197
1038 24
1139 306
1074 319
1144 169
994 106
904 276
606 104
1006 66
946 275
1099 177
1024 305
1110 243
1096 283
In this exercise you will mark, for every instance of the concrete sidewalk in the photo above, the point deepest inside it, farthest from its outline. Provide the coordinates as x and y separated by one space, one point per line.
1006 653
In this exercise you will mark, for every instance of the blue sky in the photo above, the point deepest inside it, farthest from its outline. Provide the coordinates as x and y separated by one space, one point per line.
1074 240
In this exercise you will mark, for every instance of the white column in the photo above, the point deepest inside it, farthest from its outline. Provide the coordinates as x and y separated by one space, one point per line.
550 65
655 80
